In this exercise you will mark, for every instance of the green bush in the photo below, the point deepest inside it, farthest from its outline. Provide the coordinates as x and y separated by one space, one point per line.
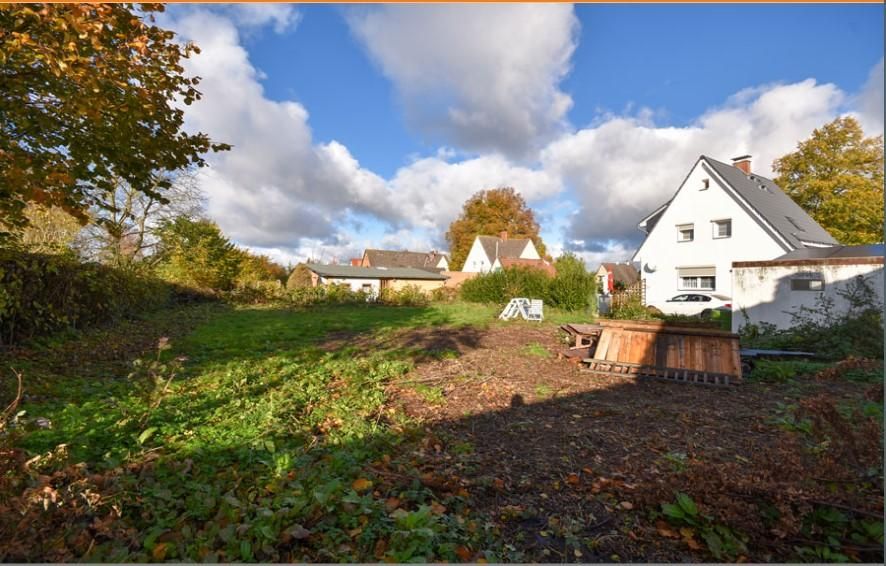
856 332
41 294
573 288
444 294
408 296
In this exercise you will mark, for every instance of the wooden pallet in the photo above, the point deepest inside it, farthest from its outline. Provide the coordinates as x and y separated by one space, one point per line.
680 375
663 350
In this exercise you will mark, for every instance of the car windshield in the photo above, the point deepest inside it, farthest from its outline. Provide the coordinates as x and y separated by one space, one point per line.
680 298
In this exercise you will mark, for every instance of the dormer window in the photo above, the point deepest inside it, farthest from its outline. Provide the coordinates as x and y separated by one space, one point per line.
685 232
705 184
794 224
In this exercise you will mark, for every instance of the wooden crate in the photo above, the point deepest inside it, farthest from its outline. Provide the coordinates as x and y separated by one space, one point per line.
670 351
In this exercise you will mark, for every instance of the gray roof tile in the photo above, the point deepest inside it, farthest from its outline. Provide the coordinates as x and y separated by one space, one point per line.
777 208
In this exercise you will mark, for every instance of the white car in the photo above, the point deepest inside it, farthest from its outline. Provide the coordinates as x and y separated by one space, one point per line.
696 304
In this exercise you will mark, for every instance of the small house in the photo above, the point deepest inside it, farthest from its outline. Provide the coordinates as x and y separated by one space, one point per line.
612 276
373 280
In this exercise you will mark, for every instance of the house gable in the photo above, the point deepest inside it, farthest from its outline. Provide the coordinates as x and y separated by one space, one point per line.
701 203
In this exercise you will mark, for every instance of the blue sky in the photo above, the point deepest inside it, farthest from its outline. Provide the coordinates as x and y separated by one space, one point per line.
374 123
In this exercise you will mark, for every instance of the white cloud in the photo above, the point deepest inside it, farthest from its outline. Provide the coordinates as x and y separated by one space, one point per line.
430 192
280 192
483 77
275 186
283 17
870 102
624 167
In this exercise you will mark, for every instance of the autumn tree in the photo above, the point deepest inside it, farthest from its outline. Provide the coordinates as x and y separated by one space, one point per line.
837 177
196 253
488 213
50 230
90 94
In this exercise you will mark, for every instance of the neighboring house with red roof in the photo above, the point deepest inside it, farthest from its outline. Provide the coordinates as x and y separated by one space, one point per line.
610 275
541 264
488 252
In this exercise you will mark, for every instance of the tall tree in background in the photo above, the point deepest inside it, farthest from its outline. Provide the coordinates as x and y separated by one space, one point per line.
124 223
197 254
837 177
488 213
88 96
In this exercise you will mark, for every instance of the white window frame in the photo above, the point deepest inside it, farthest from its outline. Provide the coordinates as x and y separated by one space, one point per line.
681 228
716 228
683 283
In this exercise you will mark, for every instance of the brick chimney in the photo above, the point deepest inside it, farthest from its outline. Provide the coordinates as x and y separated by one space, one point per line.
503 234
743 162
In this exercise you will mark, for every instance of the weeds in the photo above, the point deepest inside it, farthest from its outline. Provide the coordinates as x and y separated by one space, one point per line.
536 349
722 542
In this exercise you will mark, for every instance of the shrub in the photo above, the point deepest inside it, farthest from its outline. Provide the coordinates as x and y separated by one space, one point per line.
299 278
444 294
41 294
856 332
573 288
408 296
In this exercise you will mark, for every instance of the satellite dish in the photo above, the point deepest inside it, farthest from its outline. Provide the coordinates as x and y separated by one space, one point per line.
651 267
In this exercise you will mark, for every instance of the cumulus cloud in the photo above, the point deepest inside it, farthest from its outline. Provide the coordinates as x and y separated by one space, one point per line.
282 17
870 102
275 186
624 167
430 191
483 77
282 193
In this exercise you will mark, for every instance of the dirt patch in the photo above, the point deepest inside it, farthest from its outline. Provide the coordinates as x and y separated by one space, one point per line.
564 460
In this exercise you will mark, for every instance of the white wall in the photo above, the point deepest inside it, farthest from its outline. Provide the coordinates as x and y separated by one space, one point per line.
691 205
477 261
763 294
529 252
354 284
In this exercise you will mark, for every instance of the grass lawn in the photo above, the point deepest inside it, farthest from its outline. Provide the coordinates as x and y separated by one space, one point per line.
225 442
351 433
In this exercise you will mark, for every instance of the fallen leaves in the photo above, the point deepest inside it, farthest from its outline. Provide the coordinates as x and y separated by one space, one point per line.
361 485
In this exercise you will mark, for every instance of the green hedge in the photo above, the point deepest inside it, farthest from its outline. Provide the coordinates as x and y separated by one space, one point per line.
41 294
573 288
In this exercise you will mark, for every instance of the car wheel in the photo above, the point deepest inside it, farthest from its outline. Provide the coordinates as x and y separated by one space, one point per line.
706 314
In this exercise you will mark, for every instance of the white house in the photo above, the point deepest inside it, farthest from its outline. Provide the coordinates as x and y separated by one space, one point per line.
488 251
769 291
374 279
720 214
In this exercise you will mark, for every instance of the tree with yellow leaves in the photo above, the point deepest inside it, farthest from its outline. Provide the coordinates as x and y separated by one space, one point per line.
837 177
90 94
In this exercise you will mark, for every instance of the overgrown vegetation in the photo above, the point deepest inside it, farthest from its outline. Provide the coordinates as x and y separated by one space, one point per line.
572 289
41 294
826 330
245 441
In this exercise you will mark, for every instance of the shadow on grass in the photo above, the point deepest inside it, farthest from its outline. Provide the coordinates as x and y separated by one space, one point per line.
271 447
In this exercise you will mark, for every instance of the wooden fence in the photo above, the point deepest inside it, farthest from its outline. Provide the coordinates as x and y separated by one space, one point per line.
633 294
